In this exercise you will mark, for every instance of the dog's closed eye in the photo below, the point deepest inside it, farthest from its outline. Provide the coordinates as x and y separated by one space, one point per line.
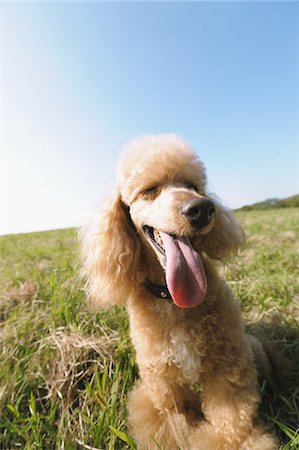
192 187
150 192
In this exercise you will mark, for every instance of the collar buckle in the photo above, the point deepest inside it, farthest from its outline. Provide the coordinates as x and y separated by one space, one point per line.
158 291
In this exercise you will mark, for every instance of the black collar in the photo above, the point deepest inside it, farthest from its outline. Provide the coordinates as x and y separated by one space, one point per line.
158 291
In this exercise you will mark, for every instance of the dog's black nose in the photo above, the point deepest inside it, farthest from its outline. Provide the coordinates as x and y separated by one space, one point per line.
199 211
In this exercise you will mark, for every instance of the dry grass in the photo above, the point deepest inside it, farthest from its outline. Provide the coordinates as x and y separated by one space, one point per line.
14 296
74 355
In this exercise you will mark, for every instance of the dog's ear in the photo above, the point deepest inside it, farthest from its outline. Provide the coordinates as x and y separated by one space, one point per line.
226 237
110 255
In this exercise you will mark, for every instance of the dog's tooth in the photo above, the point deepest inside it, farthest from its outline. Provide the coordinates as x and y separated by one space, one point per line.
158 238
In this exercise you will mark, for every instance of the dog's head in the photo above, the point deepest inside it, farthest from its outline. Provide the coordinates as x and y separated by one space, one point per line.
161 206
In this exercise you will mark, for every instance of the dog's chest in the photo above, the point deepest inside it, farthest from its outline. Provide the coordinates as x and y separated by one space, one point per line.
183 352
168 340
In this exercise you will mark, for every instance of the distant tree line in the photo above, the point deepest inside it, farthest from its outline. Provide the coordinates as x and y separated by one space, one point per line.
290 202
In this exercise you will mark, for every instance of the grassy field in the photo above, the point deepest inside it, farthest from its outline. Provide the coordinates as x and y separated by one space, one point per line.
65 371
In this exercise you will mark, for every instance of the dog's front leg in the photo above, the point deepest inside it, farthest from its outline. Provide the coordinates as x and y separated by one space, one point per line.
230 407
155 414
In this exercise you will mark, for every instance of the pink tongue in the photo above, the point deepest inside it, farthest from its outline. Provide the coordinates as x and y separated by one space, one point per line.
185 275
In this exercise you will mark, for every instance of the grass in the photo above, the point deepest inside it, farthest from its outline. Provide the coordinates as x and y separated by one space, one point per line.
65 371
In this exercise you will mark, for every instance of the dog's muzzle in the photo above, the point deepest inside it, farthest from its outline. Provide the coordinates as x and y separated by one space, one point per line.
199 212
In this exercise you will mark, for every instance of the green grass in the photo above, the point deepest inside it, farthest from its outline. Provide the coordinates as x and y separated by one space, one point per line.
65 371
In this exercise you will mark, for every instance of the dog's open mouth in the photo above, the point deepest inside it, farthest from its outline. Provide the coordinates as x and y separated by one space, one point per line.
155 239
185 274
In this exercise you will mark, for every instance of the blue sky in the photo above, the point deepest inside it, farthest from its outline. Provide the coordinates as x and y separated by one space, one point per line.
79 80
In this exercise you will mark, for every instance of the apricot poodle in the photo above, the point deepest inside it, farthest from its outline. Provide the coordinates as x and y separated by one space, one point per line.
155 250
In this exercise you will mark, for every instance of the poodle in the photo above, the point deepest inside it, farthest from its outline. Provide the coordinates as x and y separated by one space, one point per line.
155 249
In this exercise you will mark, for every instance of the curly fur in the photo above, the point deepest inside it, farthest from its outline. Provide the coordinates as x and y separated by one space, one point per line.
176 349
